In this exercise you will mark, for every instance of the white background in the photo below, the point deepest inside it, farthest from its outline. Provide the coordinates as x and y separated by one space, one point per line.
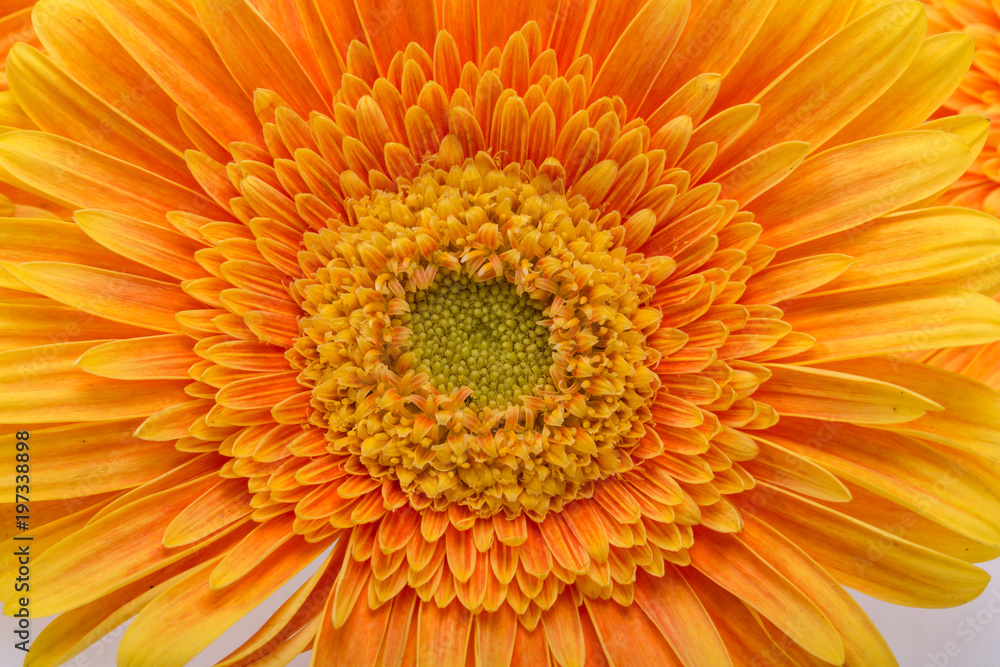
919 637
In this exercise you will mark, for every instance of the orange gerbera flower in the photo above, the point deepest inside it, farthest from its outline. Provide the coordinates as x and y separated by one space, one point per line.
575 329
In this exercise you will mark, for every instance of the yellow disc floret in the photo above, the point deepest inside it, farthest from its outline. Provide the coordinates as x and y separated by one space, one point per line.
480 338
480 335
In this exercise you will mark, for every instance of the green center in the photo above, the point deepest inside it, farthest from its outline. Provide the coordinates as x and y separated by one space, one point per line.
480 335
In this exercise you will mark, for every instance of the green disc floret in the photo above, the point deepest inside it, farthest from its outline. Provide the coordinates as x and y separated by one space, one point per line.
481 335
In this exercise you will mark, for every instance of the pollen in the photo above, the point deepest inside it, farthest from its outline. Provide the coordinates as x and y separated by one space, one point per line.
480 335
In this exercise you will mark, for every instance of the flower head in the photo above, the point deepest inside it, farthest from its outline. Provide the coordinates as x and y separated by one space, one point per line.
575 330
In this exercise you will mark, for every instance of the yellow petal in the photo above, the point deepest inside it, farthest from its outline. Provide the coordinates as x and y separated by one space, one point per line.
173 422
833 396
791 30
785 468
308 600
112 551
971 418
948 247
961 501
862 642
887 320
866 558
29 325
78 629
846 186
931 78
836 81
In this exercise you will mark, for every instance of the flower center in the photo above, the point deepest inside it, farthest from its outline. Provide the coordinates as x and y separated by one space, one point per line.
479 338
480 335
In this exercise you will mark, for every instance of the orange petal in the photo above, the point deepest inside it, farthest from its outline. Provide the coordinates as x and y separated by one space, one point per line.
946 246
146 244
629 637
199 613
116 296
185 66
167 357
641 51
843 187
224 503
357 642
895 320
387 29
564 633
442 635
971 418
71 172
781 467
675 609
135 531
29 325
738 569
495 636
931 78
59 104
252 551
76 39
76 462
742 19
836 81
783 281
256 56
42 385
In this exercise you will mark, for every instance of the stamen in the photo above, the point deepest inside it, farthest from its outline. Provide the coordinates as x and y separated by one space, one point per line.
481 335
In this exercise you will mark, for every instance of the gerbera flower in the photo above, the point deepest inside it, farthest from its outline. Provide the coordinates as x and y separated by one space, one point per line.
575 329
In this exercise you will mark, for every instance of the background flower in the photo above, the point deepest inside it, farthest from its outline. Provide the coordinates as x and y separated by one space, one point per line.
577 330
